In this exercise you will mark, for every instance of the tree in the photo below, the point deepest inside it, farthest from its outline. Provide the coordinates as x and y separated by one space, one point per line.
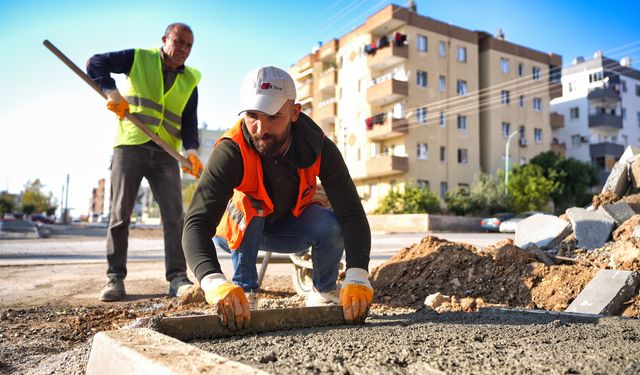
413 200
574 179
487 192
529 189
34 200
460 202
6 203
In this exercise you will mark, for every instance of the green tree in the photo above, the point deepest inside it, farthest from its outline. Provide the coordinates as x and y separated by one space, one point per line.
574 179
6 203
529 189
413 200
460 202
487 192
34 199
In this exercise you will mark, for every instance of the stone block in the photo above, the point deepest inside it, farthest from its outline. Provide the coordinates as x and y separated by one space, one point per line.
619 211
605 294
618 180
541 230
592 228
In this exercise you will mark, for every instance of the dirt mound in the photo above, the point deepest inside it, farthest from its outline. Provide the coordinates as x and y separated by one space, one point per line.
605 198
502 274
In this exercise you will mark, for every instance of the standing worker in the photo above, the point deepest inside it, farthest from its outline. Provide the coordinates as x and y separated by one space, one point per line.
163 94
257 189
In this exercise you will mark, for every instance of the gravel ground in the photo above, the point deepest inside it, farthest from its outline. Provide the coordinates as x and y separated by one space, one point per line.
490 341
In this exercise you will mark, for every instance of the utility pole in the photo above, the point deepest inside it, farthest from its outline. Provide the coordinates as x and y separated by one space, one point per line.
66 204
62 205
506 164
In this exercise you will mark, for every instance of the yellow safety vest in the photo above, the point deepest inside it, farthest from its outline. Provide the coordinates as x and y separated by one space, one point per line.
161 112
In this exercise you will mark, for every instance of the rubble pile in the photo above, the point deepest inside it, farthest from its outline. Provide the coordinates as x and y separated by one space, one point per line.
550 262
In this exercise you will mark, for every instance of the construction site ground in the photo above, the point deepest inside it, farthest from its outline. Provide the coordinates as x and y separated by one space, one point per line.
49 314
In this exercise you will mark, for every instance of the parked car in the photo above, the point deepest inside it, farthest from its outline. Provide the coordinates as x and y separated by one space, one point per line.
492 224
510 226
41 219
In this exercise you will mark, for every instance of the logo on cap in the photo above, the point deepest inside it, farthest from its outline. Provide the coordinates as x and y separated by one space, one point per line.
265 86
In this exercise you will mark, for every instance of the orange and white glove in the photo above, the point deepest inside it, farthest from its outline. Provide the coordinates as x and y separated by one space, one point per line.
117 104
196 164
356 295
229 300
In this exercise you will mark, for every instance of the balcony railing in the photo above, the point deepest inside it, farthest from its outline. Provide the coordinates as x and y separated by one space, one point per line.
327 81
605 149
305 91
605 93
325 113
389 56
556 120
605 120
387 19
387 165
387 91
389 127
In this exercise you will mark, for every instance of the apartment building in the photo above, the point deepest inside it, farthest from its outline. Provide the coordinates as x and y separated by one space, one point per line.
601 105
403 97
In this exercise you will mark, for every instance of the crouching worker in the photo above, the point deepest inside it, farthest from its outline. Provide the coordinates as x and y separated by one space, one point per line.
257 189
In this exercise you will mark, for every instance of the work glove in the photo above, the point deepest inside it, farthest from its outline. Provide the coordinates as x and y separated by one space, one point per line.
116 103
356 295
196 164
229 300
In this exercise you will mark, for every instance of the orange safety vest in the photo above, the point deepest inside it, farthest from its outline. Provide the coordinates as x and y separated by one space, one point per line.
250 198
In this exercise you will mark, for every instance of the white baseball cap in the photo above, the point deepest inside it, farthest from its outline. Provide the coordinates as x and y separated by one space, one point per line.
266 89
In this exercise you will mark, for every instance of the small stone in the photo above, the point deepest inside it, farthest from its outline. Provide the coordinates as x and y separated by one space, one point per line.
435 300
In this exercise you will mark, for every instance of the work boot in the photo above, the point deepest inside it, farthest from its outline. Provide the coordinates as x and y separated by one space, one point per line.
316 298
252 297
179 286
113 290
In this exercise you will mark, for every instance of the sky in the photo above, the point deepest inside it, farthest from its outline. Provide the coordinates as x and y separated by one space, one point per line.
52 124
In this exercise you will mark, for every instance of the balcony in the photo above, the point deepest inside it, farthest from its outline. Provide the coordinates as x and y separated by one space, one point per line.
555 90
387 165
604 120
328 51
388 56
327 81
388 91
326 114
605 149
389 128
303 64
556 120
304 91
389 18
559 148
604 94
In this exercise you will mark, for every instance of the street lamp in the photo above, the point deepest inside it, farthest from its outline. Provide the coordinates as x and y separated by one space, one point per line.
506 164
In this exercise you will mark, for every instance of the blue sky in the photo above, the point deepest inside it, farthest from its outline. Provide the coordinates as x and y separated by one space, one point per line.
52 124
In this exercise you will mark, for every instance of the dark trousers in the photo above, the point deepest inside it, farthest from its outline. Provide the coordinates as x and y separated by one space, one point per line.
128 166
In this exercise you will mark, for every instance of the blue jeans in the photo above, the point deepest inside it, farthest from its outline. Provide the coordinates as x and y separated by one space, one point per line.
317 227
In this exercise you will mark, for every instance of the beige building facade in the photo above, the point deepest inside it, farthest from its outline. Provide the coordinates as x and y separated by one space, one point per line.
402 98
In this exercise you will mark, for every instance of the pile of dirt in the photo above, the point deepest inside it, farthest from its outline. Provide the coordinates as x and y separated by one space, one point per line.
502 274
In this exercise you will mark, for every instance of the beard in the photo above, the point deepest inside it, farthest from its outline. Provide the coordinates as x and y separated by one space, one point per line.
270 145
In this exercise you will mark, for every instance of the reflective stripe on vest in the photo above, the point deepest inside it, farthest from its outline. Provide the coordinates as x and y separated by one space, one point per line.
151 105
250 198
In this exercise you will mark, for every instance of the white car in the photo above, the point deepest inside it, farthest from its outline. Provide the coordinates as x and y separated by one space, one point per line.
509 226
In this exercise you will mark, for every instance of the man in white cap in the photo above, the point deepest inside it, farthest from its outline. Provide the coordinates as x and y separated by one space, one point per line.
257 189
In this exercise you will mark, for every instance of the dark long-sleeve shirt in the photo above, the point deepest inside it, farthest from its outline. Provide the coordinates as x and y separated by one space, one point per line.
224 172
100 67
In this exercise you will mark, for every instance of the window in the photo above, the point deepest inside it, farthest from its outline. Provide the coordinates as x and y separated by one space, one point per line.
537 104
423 184
572 86
520 70
443 120
422 151
625 140
638 118
624 113
422 43
462 54
521 101
574 112
461 87
523 160
443 189
637 90
504 65
535 72
506 129
623 83
421 78
504 97
537 135
442 49
462 122
462 156
443 152
421 114
575 140
442 83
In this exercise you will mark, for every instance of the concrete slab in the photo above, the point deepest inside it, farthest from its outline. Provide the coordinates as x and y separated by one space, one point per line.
618 180
620 211
144 351
18 229
592 228
606 293
634 171
541 230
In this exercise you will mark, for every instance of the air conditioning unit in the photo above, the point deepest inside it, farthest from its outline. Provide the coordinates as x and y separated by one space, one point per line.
584 139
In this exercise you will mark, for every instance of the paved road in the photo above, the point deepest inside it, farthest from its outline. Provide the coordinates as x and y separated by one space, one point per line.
89 250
